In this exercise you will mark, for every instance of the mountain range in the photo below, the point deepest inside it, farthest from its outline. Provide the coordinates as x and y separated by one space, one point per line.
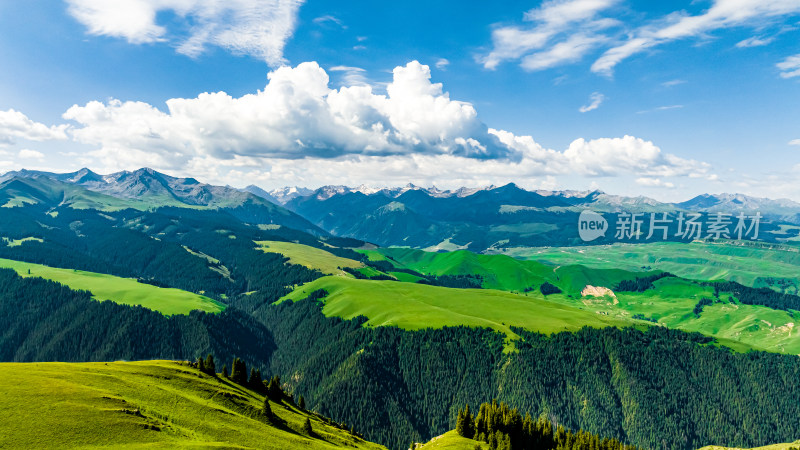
478 219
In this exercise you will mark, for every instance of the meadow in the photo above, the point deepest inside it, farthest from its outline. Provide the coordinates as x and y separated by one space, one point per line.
748 264
125 291
147 404
413 306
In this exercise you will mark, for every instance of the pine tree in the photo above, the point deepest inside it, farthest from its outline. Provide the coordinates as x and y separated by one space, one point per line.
209 366
301 402
469 424
307 427
274 391
200 365
239 372
460 424
255 380
225 371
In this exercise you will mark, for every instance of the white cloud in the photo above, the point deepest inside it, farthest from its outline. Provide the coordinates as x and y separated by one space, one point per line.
546 43
259 28
298 130
595 100
442 63
628 154
672 83
790 67
296 115
660 108
16 125
351 76
755 41
330 19
30 154
654 182
794 142
680 25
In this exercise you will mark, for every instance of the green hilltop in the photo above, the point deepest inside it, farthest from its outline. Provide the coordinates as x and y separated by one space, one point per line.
149 404
125 291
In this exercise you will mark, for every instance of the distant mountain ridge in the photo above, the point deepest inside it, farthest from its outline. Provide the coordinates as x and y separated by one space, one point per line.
478 219
146 188
723 202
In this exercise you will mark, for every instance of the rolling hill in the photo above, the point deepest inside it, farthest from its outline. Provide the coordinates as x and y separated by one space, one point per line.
124 291
149 404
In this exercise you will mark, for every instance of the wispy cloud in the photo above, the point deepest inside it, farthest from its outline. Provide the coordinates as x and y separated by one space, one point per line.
755 41
442 63
548 41
330 19
351 76
259 28
672 83
596 99
790 67
794 142
660 108
681 25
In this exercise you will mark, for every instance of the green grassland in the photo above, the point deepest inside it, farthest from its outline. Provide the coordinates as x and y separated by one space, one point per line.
785 446
146 404
750 265
414 306
501 271
126 291
670 304
311 257
453 441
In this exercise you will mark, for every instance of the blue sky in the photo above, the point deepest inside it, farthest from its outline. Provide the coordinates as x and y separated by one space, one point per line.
665 99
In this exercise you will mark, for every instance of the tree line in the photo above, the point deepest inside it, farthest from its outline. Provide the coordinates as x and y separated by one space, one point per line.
504 428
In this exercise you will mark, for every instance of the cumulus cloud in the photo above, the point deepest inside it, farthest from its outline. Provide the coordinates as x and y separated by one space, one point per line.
299 130
296 116
259 28
30 154
790 67
546 42
681 25
16 125
596 99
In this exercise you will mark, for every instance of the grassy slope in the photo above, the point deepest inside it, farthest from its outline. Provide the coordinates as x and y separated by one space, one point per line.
414 306
739 326
452 441
126 291
501 271
82 405
311 257
697 260
786 446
